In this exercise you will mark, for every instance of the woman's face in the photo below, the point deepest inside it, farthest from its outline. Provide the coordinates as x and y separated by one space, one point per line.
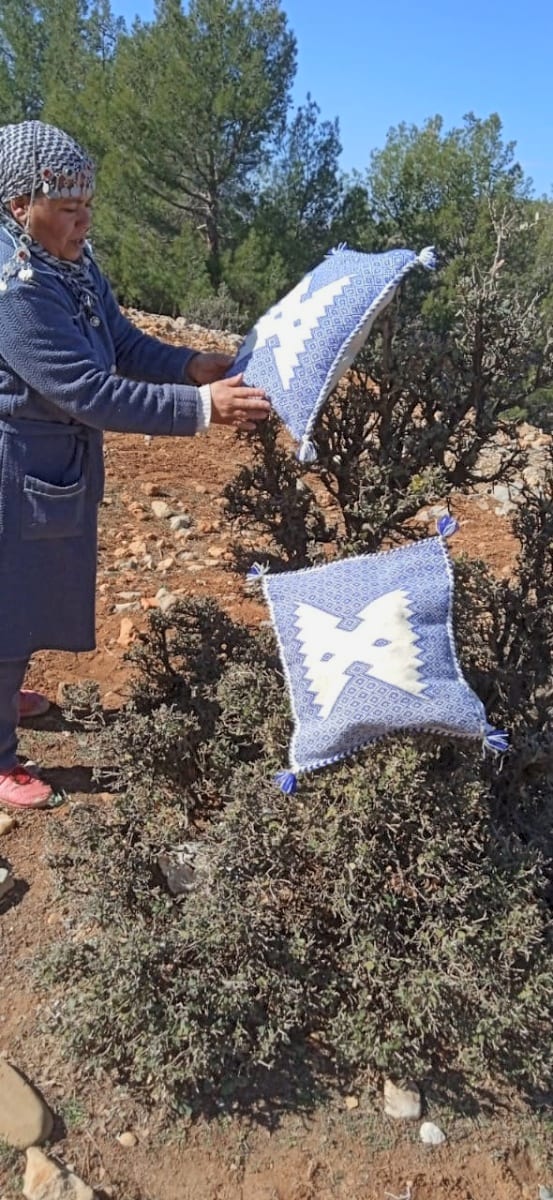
61 226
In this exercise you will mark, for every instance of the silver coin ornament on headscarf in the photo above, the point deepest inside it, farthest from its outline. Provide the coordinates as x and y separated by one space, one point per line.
40 159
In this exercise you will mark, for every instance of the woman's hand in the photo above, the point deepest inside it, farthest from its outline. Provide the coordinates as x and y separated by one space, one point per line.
234 404
207 367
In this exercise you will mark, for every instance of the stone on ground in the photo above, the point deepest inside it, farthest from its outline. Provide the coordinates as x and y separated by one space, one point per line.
127 1139
402 1103
431 1134
24 1117
46 1180
7 823
6 881
162 510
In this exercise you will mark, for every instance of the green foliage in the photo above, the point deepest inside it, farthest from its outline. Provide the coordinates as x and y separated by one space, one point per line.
86 36
216 310
537 409
256 272
428 184
178 724
301 199
9 1157
21 49
156 265
199 99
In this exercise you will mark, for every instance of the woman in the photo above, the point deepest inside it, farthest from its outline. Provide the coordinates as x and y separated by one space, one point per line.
71 366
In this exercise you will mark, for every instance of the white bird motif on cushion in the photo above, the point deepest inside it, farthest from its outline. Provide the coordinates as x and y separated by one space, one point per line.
383 641
287 327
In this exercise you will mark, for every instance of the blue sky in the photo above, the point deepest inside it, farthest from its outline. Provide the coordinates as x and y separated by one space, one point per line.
376 64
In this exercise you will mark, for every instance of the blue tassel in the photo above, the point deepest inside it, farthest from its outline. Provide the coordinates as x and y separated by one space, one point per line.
287 782
496 740
447 526
307 452
257 571
428 259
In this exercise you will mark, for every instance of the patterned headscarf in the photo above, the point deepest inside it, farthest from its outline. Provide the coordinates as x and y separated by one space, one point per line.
38 159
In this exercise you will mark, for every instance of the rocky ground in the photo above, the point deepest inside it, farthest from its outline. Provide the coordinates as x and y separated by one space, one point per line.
164 535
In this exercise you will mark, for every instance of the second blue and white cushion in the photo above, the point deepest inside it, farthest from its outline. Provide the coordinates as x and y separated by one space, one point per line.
368 649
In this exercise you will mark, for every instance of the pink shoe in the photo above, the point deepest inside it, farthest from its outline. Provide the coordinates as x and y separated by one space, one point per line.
32 704
19 788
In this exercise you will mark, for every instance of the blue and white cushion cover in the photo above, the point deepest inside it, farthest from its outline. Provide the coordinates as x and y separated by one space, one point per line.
299 350
368 649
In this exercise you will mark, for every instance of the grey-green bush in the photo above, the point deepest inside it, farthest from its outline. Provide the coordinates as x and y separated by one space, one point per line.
393 917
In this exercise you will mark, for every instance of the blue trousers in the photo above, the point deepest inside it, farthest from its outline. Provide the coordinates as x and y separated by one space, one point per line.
12 675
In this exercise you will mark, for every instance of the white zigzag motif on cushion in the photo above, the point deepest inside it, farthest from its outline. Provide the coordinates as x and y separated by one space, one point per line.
384 642
293 323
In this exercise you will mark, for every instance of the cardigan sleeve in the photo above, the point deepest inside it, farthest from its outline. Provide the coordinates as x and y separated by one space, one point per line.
41 342
139 356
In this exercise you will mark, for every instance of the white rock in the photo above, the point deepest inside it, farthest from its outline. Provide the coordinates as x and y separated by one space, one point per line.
431 1134
6 881
24 1117
180 521
545 1193
402 1103
161 509
165 600
46 1180
127 1139
501 493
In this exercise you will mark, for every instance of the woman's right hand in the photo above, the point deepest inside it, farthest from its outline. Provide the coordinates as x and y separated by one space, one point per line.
234 404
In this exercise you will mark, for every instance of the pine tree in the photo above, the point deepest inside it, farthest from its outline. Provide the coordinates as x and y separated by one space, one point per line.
201 99
21 60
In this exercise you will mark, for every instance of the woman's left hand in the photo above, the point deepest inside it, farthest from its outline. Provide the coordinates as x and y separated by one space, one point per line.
208 367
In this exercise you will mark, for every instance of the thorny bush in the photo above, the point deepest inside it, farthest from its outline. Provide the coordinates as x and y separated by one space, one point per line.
394 917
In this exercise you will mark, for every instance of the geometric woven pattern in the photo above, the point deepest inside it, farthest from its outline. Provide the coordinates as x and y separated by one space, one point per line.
298 351
367 647
41 159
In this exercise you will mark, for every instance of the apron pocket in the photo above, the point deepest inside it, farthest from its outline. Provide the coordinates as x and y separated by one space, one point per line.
52 512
